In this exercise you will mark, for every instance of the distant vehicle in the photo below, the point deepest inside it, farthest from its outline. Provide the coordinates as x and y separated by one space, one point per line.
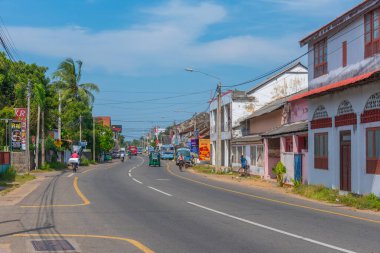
186 155
167 152
154 159
132 150
140 150
107 157
115 154
150 149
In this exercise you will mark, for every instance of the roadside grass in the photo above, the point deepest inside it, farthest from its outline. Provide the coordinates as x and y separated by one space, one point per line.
316 192
10 180
51 166
320 192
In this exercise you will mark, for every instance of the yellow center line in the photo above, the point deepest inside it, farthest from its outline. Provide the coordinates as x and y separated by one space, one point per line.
135 243
275 200
77 190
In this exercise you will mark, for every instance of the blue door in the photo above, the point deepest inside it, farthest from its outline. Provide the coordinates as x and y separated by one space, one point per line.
298 167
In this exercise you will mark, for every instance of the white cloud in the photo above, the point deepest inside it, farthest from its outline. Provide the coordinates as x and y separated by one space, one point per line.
171 39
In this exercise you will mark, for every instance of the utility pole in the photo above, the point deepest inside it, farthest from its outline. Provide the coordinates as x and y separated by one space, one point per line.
93 138
218 129
27 146
59 121
80 129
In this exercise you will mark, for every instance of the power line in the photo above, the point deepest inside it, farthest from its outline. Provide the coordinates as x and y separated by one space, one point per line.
156 99
332 38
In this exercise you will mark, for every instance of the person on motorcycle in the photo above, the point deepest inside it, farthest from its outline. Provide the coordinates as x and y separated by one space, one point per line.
122 155
75 154
181 161
75 164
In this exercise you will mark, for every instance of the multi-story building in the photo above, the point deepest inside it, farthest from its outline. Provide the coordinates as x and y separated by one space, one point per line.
344 101
234 105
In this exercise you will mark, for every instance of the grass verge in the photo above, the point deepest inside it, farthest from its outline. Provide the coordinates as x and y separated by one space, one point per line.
10 180
320 192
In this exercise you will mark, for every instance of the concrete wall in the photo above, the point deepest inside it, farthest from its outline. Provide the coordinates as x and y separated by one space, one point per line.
266 122
362 182
284 85
298 110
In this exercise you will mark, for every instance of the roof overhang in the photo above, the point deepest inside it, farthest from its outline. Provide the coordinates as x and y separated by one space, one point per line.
344 84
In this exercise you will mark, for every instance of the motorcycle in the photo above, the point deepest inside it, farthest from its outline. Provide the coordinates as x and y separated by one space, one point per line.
74 163
122 159
181 164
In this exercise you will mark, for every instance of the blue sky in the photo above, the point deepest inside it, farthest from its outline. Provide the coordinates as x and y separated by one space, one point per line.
137 50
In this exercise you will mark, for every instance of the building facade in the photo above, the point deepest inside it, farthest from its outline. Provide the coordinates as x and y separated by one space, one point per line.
344 101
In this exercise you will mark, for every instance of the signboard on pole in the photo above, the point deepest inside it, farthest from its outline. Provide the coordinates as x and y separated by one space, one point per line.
204 149
194 145
16 135
21 117
117 128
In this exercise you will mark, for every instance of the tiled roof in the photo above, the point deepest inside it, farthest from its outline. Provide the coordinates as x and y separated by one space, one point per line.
360 79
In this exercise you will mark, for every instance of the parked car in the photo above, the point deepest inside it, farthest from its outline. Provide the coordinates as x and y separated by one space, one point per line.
115 154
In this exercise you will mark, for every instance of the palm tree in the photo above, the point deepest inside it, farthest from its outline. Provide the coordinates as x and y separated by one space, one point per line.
68 75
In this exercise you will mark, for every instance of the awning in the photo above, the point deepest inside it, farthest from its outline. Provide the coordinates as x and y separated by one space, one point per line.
336 86
250 139
288 129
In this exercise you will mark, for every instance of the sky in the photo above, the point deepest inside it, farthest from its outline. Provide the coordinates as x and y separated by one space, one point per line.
137 51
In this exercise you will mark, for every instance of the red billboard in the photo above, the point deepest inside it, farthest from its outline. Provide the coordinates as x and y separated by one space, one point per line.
20 116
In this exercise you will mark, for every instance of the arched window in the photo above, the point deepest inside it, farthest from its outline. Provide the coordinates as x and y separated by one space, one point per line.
320 113
373 102
345 108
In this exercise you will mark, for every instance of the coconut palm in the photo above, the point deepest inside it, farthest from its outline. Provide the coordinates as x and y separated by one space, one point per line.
68 75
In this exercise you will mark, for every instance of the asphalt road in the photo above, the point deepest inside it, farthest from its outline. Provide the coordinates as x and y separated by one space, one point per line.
132 207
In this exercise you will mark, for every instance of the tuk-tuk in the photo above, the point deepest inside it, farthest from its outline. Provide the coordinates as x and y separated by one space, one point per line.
154 159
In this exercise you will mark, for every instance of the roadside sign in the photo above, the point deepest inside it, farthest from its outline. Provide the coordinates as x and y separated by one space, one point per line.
58 143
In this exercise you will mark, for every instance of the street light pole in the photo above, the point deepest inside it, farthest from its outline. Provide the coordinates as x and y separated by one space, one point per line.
219 129
218 147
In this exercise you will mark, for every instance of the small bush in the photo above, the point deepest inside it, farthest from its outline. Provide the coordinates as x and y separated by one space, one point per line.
57 165
92 162
9 175
296 183
279 171
45 166
84 161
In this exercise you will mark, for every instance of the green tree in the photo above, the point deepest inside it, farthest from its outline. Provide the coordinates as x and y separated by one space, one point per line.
104 139
68 76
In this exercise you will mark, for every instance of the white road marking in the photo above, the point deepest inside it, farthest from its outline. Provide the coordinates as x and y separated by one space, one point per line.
72 174
129 174
274 229
130 171
167 194
134 179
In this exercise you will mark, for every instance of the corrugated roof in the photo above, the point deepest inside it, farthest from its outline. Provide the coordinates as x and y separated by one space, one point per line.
246 139
288 129
336 86
269 108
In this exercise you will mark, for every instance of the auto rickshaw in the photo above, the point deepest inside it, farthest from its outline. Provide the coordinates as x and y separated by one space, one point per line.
154 159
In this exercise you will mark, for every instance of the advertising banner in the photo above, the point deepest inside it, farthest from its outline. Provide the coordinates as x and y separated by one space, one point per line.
21 117
16 135
117 128
194 146
204 149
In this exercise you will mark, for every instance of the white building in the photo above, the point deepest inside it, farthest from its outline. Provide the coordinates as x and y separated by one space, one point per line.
235 105
344 101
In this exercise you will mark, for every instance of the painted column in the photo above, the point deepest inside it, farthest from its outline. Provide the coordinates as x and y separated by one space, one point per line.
266 159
